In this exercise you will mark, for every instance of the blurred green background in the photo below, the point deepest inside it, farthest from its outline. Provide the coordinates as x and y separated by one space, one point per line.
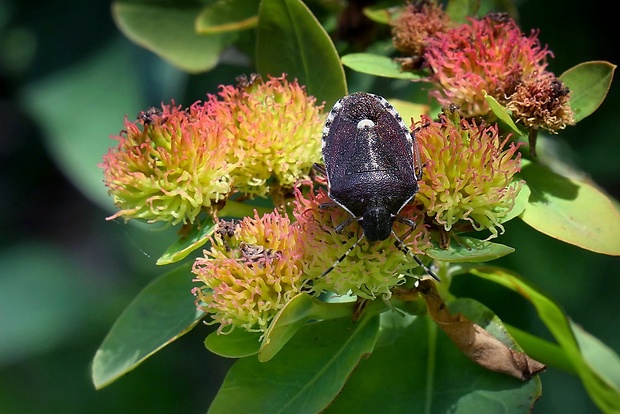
67 79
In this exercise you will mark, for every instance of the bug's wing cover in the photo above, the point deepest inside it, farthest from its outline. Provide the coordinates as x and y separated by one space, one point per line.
395 145
338 146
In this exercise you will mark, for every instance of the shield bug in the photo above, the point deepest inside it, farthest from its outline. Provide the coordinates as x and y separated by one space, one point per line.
372 167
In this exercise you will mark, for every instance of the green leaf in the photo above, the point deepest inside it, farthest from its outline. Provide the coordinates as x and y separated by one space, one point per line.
237 344
502 115
160 314
570 210
292 41
599 356
289 320
305 376
199 235
169 32
227 16
604 395
589 83
377 65
239 210
180 249
293 316
381 14
459 10
471 250
422 371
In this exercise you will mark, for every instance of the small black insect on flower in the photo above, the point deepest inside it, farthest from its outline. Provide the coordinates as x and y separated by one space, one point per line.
372 167
148 117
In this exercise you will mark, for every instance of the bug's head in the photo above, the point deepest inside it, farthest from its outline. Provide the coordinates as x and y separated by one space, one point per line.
377 223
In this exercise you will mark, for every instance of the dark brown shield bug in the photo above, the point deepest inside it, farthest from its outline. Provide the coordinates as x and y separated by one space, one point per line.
372 167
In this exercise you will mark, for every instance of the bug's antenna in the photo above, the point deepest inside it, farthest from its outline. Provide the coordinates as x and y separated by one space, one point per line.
343 256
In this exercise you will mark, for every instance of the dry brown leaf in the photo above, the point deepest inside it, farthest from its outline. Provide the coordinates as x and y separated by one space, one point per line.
479 345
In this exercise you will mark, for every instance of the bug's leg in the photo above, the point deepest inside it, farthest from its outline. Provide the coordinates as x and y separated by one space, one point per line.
328 205
402 247
408 222
341 258
320 168
341 226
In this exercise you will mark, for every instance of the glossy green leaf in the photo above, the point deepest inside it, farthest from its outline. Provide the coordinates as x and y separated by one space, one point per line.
604 394
169 32
160 314
421 371
599 356
180 249
377 65
589 83
239 210
305 376
291 40
459 10
227 16
471 250
570 210
502 115
293 316
381 14
237 344
289 320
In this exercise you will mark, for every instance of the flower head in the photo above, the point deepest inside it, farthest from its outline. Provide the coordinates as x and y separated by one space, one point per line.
251 271
275 130
489 55
371 269
252 138
468 174
411 29
541 102
170 167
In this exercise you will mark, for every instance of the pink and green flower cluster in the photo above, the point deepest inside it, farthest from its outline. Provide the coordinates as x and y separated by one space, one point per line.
487 56
254 138
469 174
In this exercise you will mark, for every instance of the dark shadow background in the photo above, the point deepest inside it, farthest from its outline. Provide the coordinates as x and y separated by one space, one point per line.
68 76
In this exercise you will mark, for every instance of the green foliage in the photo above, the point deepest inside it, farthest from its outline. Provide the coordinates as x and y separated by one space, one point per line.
604 393
589 83
571 210
376 65
502 115
419 370
236 344
305 376
159 315
314 357
169 32
468 249
181 248
227 16
291 40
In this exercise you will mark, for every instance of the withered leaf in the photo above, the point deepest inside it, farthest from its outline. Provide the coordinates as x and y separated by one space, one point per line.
475 342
